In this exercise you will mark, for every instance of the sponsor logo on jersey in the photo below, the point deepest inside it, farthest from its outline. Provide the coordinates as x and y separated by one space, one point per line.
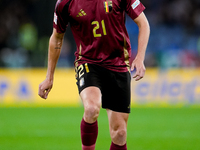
81 13
108 6
55 18
135 4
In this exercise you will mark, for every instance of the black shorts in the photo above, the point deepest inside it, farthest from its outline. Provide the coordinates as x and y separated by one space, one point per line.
114 86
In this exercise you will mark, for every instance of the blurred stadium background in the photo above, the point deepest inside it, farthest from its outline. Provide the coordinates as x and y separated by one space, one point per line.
165 113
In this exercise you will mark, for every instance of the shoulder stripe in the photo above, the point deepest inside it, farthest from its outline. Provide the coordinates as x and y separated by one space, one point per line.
58 3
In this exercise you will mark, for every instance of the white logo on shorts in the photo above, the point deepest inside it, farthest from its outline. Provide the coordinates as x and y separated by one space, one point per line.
82 82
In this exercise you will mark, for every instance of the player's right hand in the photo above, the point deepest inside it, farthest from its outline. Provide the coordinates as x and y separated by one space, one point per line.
44 88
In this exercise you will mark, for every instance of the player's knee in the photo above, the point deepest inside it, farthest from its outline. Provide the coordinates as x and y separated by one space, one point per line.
121 133
119 136
91 113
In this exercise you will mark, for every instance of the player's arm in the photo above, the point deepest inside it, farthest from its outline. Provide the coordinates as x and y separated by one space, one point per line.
55 45
143 37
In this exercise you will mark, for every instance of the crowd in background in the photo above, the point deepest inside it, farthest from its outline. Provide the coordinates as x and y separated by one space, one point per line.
25 28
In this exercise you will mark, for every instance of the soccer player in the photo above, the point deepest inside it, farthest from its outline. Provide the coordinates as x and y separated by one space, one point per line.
102 61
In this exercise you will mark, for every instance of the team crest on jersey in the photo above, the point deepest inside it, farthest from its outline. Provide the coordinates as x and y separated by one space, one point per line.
108 6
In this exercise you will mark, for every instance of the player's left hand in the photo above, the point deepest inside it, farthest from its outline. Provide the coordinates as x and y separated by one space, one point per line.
140 69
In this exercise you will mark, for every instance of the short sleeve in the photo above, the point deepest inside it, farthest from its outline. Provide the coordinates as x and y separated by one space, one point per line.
61 16
134 8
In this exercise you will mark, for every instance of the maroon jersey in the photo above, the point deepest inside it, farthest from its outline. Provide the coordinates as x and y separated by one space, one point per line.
98 27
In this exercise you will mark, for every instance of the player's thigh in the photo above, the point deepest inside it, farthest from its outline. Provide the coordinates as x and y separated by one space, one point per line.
89 84
117 120
116 92
91 96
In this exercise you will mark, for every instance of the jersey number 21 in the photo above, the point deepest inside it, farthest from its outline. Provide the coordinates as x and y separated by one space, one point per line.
97 27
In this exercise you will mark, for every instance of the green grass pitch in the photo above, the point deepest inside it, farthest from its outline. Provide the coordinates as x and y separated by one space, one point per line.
58 129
